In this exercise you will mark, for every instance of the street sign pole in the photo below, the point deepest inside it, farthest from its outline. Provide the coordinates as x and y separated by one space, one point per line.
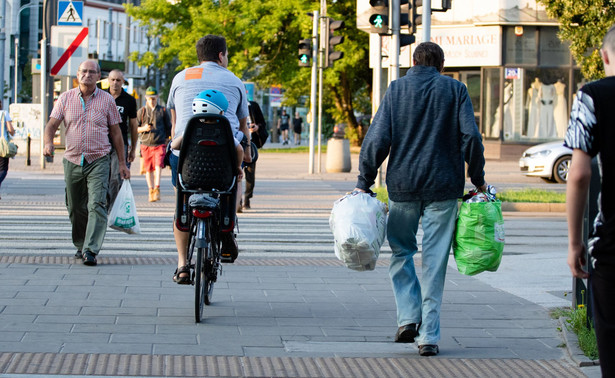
315 21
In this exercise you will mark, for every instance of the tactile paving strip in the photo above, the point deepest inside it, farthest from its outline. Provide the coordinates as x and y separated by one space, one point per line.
234 366
122 260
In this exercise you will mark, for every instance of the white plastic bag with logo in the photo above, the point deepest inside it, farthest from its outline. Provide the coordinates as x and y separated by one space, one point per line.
123 216
358 222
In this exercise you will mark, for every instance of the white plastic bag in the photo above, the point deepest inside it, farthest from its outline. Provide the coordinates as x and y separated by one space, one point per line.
358 222
123 216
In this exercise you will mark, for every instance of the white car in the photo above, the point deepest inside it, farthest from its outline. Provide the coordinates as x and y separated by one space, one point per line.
550 161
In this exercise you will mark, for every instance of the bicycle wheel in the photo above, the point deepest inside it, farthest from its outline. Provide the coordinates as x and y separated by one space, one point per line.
210 264
199 285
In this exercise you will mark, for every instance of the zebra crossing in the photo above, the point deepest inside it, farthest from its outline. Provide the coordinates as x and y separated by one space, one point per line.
288 218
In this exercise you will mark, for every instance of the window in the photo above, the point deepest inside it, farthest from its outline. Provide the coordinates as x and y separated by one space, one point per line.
553 52
520 49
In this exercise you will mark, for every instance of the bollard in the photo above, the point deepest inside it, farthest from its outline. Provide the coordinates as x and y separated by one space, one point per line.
28 142
338 155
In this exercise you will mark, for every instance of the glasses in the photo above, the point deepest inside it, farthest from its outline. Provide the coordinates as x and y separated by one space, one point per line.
91 72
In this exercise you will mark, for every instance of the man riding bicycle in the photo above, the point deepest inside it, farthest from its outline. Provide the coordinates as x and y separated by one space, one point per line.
211 73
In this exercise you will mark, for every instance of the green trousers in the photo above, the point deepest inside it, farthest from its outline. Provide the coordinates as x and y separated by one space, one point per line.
86 201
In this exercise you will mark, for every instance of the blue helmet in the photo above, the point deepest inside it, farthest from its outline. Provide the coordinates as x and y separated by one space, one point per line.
209 101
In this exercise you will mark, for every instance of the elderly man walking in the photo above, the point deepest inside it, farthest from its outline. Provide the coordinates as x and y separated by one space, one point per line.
90 117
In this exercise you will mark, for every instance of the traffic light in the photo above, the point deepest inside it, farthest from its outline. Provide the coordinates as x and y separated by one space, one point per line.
332 40
416 18
405 14
379 16
305 53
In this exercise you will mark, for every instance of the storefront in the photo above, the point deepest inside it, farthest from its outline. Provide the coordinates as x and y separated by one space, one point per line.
519 78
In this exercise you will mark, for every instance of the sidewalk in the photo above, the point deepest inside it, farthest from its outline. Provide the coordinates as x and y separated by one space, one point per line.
273 314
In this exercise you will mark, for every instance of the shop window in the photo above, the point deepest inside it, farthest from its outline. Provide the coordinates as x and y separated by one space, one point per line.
491 123
546 106
553 52
520 45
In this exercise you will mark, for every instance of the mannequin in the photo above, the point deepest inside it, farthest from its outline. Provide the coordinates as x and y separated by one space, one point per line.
533 106
547 104
560 112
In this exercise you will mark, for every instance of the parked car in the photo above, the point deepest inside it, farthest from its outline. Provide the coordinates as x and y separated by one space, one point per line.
549 161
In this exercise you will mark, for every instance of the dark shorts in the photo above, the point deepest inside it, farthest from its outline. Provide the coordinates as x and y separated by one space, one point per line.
284 126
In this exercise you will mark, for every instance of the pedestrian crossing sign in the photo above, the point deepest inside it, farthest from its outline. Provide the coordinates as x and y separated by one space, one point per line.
70 13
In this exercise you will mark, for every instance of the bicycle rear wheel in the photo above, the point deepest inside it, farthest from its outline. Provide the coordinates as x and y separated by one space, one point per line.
200 283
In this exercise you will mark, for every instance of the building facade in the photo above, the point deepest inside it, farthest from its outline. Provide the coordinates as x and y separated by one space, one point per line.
520 76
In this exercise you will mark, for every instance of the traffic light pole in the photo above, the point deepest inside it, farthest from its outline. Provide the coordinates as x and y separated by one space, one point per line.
426 21
315 21
376 90
321 67
394 45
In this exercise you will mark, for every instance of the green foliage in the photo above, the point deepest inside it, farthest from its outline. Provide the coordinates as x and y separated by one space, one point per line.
262 38
583 23
576 321
532 195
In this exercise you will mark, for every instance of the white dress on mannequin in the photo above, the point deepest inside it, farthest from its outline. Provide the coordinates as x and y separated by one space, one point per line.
547 103
533 107
508 113
560 113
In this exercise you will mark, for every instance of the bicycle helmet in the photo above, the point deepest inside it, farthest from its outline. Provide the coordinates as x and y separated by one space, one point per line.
209 101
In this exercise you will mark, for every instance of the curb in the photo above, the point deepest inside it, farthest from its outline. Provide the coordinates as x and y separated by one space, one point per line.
572 347
534 207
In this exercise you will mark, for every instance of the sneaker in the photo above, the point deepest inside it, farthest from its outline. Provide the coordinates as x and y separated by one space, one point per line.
151 195
229 247
246 203
79 254
428 350
157 194
406 333
89 258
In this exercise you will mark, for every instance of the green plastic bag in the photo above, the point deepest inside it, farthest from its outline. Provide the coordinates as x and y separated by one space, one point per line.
479 237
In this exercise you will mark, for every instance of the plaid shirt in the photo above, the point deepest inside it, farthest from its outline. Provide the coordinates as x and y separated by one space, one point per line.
87 124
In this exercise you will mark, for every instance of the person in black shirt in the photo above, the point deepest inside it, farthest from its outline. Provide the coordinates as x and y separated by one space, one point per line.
127 106
591 133
258 128
283 126
297 127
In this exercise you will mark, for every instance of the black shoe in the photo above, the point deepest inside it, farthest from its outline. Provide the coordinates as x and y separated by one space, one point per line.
406 333
246 203
89 259
428 350
229 247
79 254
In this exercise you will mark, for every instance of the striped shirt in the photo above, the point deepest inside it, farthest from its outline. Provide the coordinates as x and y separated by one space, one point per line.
87 124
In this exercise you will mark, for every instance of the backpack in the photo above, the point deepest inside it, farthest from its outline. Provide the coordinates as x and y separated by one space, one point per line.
259 137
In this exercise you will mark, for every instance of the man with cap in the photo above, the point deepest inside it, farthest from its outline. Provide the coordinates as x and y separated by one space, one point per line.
154 131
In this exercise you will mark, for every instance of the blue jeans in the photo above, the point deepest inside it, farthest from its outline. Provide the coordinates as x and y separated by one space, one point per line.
416 302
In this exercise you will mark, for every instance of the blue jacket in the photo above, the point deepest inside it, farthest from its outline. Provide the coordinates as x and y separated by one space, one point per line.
425 124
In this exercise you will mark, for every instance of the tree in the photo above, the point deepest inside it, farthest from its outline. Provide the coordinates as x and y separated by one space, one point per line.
583 23
262 38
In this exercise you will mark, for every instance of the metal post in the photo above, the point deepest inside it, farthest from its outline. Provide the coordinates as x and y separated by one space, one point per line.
109 49
394 45
315 21
16 83
426 21
43 96
323 34
2 39
376 87
127 42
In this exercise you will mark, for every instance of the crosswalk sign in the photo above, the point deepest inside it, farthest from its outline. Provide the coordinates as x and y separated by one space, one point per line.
70 13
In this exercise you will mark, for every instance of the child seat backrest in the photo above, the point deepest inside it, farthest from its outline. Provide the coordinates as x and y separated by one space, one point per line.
207 157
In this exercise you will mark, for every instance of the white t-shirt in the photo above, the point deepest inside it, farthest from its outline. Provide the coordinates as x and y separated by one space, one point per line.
208 75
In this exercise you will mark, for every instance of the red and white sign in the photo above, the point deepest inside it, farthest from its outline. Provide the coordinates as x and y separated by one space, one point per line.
69 47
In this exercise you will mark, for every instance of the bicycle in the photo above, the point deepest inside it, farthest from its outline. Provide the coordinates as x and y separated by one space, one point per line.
206 171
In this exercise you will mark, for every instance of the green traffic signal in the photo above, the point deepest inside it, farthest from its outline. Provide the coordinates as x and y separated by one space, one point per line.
378 21
304 59
379 16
